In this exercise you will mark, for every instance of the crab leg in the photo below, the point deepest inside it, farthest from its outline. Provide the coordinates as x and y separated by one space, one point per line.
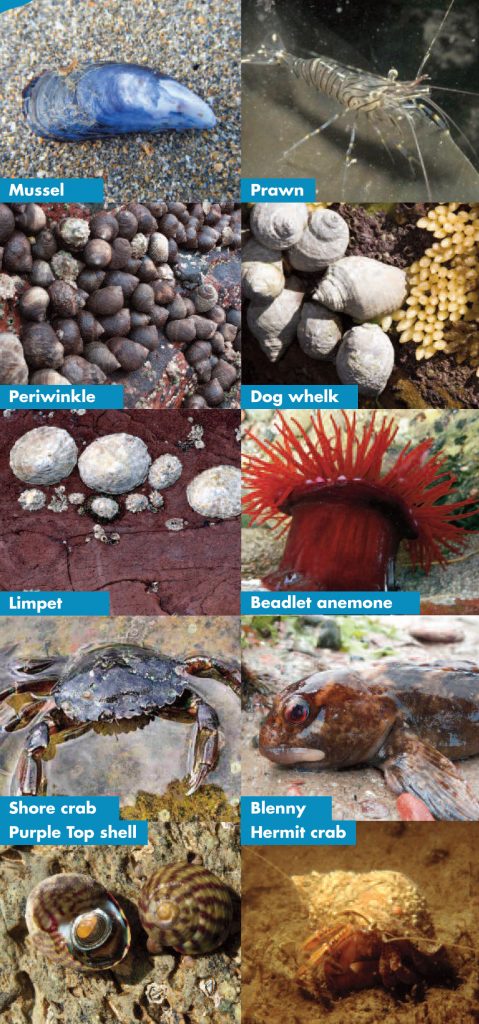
205 747
201 663
11 719
28 776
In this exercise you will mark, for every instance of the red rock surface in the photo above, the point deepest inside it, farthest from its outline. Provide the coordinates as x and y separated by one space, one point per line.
151 570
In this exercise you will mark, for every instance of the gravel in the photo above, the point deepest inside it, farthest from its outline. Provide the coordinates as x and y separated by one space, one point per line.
195 41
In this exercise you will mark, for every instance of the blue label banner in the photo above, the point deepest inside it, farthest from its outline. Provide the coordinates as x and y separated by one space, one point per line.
51 190
278 190
7 5
293 821
67 821
283 396
54 602
341 602
61 396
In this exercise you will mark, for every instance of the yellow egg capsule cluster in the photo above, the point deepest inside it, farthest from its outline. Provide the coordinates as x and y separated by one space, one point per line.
443 287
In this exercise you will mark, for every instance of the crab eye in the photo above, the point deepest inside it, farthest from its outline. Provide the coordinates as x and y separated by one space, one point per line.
297 711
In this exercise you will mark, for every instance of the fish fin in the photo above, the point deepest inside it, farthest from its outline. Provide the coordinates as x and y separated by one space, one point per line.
420 769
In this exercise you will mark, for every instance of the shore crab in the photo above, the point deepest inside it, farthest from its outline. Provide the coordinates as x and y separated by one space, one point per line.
109 688
375 930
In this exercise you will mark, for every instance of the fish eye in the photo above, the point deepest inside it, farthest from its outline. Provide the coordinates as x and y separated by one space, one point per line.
297 711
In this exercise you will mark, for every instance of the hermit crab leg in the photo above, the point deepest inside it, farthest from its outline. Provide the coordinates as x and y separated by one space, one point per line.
205 745
28 776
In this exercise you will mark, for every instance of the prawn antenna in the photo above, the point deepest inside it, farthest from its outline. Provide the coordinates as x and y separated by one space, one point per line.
434 40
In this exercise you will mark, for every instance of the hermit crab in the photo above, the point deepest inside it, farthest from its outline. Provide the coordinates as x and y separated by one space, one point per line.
372 929
108 689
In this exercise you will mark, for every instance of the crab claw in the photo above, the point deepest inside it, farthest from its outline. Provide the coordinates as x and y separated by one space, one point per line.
205 746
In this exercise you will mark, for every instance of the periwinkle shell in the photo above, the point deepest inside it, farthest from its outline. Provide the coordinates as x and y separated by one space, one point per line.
187 907
72 919
110 98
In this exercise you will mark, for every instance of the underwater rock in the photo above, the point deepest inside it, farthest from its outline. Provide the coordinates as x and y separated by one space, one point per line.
114 463
110 98
44 455
216 492
165 471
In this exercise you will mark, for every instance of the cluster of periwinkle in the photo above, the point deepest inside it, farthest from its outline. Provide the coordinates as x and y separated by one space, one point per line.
301 284
97 295
73 920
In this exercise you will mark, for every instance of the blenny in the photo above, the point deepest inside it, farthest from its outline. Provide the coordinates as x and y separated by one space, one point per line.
410 720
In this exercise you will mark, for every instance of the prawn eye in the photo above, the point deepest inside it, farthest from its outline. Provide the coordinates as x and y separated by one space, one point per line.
297 711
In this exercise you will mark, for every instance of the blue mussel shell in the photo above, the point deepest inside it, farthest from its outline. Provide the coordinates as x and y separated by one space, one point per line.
103 99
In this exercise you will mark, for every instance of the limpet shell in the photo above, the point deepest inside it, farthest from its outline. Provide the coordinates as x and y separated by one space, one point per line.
164 472
44 455
114 463
187 907
72 919
216 492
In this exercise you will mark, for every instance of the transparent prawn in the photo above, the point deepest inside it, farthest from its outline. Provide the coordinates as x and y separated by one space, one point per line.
385 101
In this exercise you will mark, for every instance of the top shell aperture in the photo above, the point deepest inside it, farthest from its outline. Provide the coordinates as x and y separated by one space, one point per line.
105 99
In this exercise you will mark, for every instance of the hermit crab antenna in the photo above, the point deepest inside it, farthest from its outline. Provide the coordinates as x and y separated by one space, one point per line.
434 39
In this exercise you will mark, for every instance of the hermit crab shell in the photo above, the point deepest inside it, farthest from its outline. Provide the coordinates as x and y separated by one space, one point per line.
324 240
386 900
187 907
363 288
72 919
107 98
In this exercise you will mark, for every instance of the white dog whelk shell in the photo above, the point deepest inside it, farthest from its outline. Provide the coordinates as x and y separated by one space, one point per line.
319 330
363 288
114 463
324 240
278 225
216 492
44 455
366 358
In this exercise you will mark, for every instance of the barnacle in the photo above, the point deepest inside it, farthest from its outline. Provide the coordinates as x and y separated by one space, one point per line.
441 311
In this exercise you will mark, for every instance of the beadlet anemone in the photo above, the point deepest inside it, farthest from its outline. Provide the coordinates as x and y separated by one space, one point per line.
344 515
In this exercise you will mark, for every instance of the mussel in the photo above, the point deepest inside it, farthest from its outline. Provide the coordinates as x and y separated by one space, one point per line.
109 98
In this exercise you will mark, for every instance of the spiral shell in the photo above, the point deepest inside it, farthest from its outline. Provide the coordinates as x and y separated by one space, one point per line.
275 323
186 907
366 358
363 288
319 330
262 274
324 240
278 225
72 919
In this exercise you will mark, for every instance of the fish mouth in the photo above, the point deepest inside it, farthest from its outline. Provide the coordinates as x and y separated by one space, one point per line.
294 755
